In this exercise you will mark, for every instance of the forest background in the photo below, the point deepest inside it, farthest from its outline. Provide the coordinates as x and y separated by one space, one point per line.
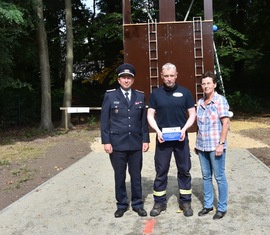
85 45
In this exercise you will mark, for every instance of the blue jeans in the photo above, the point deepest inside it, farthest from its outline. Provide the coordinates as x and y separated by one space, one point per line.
212 164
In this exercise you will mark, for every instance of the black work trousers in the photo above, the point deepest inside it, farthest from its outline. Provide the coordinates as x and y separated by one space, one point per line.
163 154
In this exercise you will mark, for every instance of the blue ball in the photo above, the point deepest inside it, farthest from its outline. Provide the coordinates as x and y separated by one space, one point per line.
215 28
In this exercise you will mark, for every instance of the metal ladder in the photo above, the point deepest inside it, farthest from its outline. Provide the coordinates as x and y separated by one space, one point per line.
218 71
153 54
198 55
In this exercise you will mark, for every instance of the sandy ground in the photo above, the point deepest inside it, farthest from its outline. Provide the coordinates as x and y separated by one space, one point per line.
235 139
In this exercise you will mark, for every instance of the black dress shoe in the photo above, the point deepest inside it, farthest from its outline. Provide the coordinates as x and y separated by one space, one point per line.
140 211
119 213
204 211
219 215
157 209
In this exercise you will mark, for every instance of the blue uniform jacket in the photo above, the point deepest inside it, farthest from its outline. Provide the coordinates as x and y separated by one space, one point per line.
124 125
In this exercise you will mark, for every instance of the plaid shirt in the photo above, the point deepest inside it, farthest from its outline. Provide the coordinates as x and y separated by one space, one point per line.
209 122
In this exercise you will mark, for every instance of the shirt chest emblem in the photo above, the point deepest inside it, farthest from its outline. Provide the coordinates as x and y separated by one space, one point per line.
177 94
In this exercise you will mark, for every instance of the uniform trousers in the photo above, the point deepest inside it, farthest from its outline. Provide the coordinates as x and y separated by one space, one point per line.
120 160
163 155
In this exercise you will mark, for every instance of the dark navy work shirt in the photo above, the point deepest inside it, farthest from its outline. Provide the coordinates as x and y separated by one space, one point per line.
171 106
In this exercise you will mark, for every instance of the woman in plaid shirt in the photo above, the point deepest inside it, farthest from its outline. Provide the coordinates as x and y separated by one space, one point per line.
213 125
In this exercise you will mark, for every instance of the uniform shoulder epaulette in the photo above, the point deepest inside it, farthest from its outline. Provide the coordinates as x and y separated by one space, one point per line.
110 90
140 91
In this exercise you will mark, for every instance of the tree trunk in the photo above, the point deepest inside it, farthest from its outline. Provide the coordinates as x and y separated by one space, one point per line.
69 63
46 109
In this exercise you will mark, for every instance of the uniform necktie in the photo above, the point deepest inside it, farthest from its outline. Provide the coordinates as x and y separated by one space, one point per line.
126 94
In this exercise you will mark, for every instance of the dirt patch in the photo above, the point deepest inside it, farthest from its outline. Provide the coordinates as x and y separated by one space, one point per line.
26 164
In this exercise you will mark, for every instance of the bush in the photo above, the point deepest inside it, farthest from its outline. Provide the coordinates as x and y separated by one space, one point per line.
244 103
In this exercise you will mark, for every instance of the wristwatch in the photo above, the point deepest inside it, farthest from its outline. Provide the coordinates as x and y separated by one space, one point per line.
221 142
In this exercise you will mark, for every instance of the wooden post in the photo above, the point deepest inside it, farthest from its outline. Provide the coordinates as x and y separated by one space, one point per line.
166 10
73 110
208 9
126 8
66 119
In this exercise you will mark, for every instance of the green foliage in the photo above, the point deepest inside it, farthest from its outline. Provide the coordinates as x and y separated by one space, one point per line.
13 26
23 174
244 103
7 82
139 11
110 28
10 14
242 43
18 107
91 120
4 162
232 46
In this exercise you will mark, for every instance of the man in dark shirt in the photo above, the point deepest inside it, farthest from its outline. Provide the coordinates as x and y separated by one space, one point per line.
168 107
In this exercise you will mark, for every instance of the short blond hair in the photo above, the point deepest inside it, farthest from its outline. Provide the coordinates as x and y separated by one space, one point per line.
168 66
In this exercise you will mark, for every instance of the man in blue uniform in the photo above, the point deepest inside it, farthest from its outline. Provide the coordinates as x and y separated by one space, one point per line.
125 134
168 107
